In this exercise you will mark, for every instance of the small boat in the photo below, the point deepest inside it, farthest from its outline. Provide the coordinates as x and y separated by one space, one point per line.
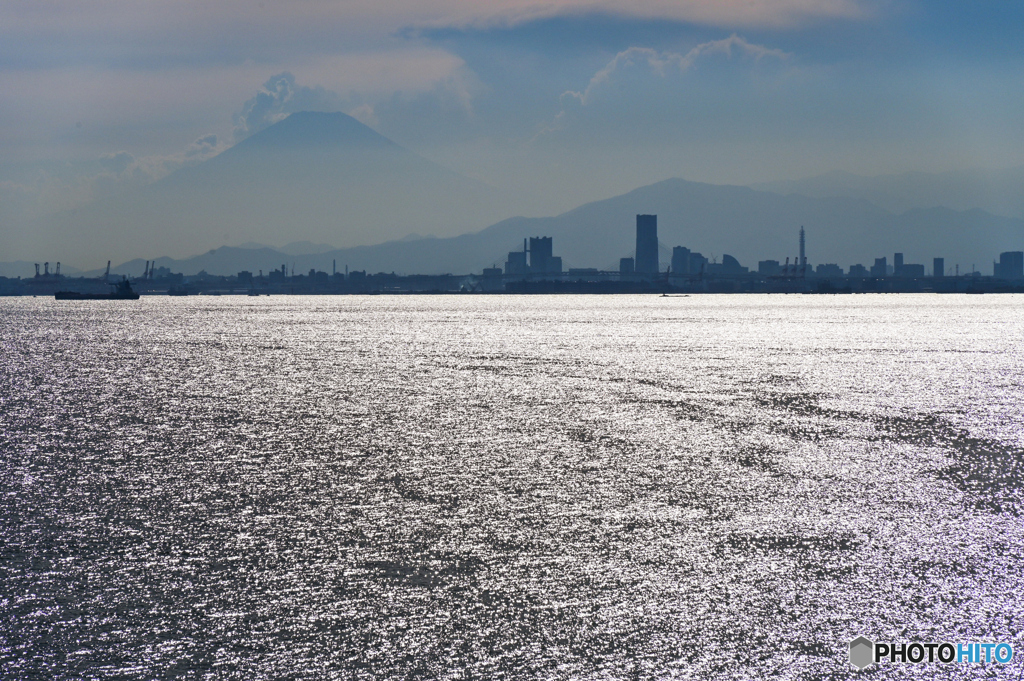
122 291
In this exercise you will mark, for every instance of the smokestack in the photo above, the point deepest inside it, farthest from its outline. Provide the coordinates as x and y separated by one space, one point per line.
803 252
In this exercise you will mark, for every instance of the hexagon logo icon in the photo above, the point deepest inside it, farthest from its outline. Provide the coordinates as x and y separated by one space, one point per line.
862 652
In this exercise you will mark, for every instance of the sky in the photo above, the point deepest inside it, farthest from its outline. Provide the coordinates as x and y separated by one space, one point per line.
558 101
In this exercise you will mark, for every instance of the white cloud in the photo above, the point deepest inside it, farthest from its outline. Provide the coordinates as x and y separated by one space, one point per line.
279 97
659 63
445 82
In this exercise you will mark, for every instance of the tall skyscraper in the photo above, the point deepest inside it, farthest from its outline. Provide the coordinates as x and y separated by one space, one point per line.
897 264
938 267
647 245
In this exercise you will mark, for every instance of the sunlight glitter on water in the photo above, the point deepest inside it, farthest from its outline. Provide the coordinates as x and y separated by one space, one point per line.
506 487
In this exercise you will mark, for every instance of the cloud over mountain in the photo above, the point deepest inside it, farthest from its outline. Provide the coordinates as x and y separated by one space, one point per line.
279 97
318 176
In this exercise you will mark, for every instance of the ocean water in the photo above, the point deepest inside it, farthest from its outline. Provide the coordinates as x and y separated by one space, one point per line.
502 487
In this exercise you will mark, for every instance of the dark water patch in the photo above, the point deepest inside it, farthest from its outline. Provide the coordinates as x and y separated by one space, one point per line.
791 543
424 573
989 471
801 403
761 458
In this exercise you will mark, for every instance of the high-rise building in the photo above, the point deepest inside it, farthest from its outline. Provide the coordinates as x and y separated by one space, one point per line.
540 254
516 263
897 264
880 268
626 267
680 261
938 267
647 245
698 263
1011 265
803 249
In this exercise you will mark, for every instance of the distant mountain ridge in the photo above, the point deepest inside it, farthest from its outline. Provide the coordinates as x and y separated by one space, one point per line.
322 177
1000 192
713 219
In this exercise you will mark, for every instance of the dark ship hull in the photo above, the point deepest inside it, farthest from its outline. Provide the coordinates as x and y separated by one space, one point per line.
122 291
74 295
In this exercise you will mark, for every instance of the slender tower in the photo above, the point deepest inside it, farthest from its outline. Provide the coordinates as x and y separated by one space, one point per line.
803 252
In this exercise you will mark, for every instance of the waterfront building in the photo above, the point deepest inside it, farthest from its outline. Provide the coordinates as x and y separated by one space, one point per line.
680 261
829 270
912 271
1010 265
540 250
880 268
516 263
698 263
729 267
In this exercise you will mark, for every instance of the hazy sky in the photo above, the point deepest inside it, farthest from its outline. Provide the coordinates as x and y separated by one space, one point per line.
562 100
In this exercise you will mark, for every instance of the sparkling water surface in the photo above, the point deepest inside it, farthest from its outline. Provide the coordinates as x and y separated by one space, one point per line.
502 487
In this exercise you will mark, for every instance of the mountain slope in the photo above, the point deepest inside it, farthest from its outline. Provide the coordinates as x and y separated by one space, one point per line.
1000 192
322 177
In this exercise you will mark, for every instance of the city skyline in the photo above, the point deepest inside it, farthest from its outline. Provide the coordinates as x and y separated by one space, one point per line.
536 269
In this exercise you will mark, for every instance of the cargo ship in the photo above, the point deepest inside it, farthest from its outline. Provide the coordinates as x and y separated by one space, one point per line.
122 291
